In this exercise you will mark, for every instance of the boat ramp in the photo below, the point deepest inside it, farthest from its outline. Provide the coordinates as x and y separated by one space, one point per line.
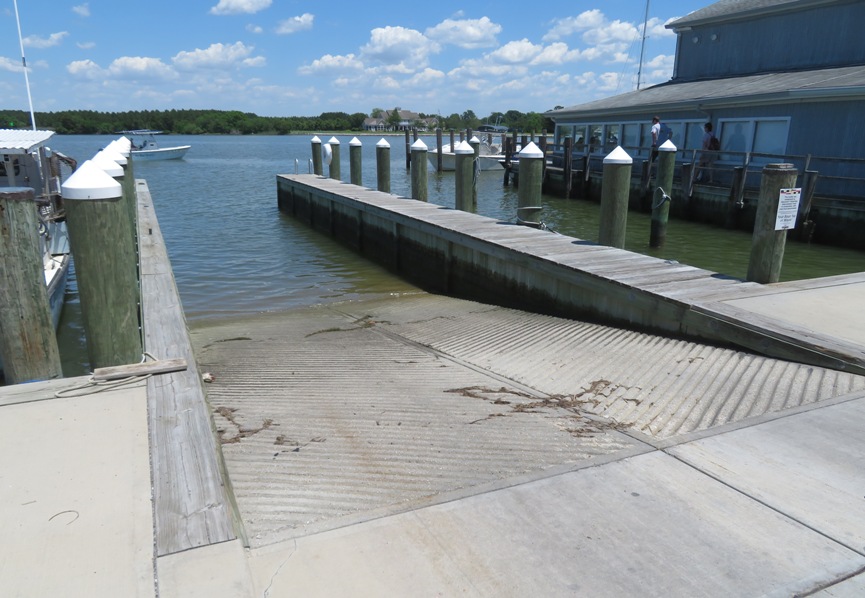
433 444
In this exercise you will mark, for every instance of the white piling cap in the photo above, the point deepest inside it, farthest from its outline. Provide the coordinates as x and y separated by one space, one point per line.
123 145
474 139
382 143
531 151
111 168
316 139
419 146
112 154
463 147
667 146
333 141
90 182
355 142
618 156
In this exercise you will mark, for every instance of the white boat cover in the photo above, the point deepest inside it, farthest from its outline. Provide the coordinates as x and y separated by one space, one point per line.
21 141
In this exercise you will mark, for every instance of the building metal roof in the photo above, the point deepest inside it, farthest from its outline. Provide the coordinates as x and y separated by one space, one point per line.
736 10
22 141
847 82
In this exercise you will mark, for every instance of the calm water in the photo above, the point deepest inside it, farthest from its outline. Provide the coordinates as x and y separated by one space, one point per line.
233 253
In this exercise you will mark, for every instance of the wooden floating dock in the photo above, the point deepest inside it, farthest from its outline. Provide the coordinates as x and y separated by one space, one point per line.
476 257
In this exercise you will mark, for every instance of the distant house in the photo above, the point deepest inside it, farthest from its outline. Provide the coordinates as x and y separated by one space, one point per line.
407 120
775 77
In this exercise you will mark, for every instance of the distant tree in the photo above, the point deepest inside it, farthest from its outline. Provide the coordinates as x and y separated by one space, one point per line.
356 121
376 112
393 119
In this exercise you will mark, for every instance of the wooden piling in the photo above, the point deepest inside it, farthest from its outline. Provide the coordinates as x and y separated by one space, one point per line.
463 175
334 170
355 161
419 188
806 225
663 193
105 266
382 165
568 166
734 205
767 244
407 149
531 183
28 345
615 188
476 168
316 156
439 150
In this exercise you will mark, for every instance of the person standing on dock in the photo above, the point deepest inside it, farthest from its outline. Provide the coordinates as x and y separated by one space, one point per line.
710 146
656 136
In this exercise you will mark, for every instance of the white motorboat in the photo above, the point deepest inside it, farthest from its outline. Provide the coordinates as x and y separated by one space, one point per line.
144 146
489 158
25 161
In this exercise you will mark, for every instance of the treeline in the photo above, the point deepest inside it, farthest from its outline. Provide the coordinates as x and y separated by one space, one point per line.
222 122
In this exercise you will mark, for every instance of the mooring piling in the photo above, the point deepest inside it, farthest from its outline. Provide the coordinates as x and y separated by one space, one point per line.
355 161
333 164
663 193
28 345
531 181
615 188
476 167
382 165
419 169
769 238
316 156
105 266
464 176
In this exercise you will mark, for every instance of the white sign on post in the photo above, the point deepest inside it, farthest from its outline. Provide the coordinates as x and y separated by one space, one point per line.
788 209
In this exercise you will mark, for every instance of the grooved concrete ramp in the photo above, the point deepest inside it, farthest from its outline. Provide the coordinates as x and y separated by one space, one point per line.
334 415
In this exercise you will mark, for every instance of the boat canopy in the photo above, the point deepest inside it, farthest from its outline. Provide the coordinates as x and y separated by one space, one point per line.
140 132
22 141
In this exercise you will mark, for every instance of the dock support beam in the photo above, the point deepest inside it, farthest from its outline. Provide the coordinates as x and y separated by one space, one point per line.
28 345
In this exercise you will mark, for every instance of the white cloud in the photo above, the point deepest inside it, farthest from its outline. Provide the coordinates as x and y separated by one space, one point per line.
7 64
125 67
589 19
516 52
254 29
236 7
426 78
399 49
466 33
332 64
557 53
217 56
34 41
295 24
82 10
86 45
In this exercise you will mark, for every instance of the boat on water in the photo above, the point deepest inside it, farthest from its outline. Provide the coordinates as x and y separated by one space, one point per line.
144 146
26 161
489 159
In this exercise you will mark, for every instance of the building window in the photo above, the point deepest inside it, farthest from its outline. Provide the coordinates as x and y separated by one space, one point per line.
759 136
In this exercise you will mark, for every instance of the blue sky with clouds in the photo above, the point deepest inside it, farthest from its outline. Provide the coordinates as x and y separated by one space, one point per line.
285 57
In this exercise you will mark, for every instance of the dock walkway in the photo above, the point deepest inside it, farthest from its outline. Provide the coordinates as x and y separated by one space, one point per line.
423 445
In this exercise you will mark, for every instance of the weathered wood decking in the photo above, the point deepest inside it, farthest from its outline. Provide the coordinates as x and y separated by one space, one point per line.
497 262
191 505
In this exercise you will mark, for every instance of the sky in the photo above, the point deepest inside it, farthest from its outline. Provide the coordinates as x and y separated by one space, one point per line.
293 58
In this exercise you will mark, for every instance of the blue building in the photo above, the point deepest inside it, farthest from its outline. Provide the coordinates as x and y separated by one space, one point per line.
780 80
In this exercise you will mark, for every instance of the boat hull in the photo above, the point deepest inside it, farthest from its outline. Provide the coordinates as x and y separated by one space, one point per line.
490 162
163 153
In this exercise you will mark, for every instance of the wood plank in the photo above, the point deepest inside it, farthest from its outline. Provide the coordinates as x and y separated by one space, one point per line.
147 368
191 507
